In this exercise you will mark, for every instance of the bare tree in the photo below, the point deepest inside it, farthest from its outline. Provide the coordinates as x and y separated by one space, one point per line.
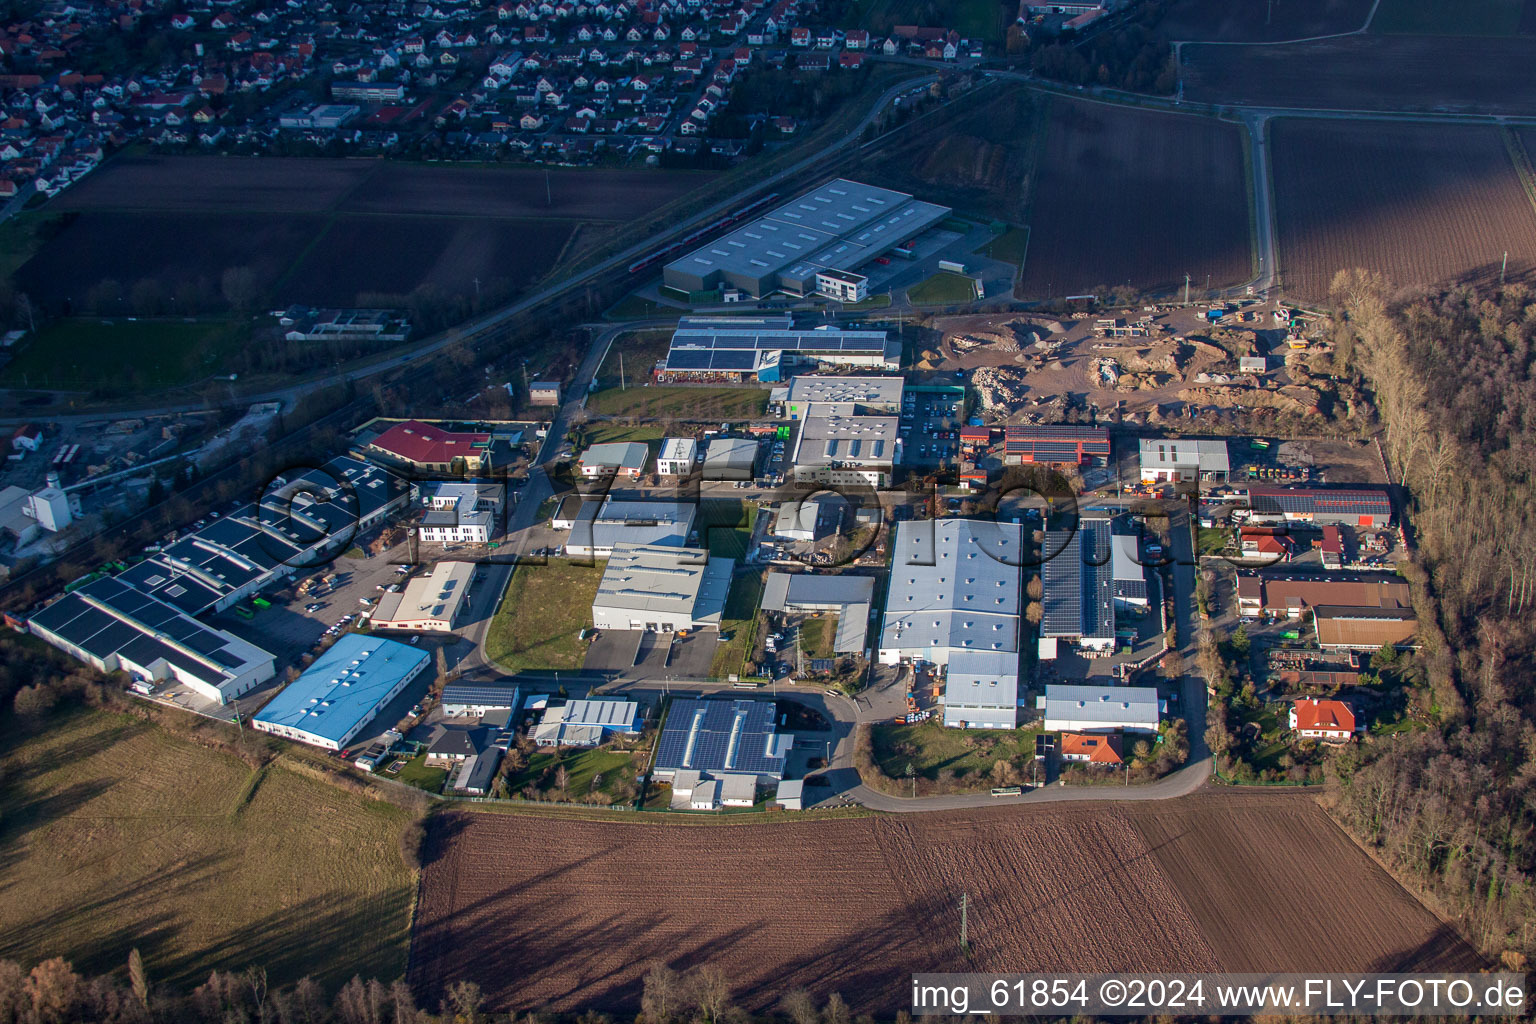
709 991
797 1005
463 1000
660 996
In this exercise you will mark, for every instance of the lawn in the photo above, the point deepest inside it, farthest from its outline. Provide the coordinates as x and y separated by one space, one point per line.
1010 247
117 834
817 636
880 301
23 235
1435 17
942 289
417 773
680 403
602 433
631 356
740 621
616 767
725 526
541 616
931 747
125 355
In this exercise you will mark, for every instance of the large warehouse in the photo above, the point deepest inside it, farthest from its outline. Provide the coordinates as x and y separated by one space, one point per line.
661 589
1079 581
621 521
721 738
113 627
343 690
839 227
768 347
954 586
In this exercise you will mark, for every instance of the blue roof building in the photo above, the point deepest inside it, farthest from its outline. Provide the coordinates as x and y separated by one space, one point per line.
342 691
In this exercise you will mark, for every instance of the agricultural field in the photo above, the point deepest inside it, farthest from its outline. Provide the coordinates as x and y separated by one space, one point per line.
124 355
528 907
118 834
1169 198
1262 22
541 616
979 158
519 192
363 255
1422 204
1465 74
1469 18
1231 855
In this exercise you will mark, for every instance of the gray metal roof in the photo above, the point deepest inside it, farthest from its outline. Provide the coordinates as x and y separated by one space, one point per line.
955 584
983 679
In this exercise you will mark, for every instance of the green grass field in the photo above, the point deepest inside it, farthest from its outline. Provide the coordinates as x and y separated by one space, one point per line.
23 235
541 616
123 355
817 635
616 767
680 403
417 773
117 834
725 526
1435 17
942 289
630 357
1010 247
738 620
603 433
931 747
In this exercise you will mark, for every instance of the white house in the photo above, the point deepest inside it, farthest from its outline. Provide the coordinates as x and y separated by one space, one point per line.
678 456
1072 708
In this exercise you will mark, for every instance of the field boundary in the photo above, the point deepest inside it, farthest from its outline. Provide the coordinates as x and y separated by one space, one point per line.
1518 156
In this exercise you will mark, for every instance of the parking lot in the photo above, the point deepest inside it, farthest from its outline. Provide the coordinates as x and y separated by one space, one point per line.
930 423
632 655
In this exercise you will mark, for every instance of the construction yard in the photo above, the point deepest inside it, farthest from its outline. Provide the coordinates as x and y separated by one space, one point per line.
532 909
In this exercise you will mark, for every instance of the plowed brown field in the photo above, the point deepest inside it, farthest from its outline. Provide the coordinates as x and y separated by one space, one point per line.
1423 204
567 913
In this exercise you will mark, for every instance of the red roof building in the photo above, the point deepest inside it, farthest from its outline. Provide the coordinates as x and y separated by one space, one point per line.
1076 746
1330 720
429 447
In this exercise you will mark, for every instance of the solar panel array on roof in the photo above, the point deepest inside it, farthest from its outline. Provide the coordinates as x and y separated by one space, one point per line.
720 736
1062 584
1055 443
1304 501
481 695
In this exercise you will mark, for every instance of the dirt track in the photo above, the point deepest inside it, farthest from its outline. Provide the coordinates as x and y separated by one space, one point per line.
566 913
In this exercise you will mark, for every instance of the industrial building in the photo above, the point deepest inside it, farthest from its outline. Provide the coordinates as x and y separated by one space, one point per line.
1078 582
846 451
299 522
731 458
1130 576
460 513
955 585
432 448
845 396
599 529
678 456
343 690
841 226
661 589
112 627
478 699
1287 595
433 602
720 738
848 597
981 690
1364 629
1183 460
586 723
1070 708
1056 445
770 348
1368 507
617 458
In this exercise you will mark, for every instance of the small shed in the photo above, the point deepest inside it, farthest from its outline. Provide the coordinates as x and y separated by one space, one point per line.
705 796
790 794
738 790
685 782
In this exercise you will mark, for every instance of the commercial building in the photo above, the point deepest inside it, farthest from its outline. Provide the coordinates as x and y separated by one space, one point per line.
850 598
302 324
433 602
1329 720
1183 460
661 589
845 396
1078 585
678 456
1056 445
846 451
478 772
1130 576
981 690
1289 596
840 226
721 738
479 699
842 285
771 348
621 458
1368 507
600 529
955 585
586 723
1364 629
343 690
731 458
112 627
461 513
432 448
1070 708
301 520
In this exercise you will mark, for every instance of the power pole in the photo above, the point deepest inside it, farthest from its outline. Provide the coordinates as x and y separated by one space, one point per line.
965 906
1186 289
622 385
1503 267
549 196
